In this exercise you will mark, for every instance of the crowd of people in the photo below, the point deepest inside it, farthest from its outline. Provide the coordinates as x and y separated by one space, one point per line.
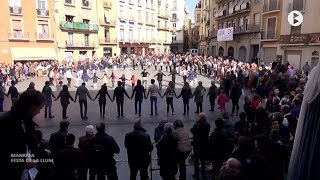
257 146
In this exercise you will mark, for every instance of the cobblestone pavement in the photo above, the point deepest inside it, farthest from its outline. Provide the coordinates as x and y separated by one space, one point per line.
118 127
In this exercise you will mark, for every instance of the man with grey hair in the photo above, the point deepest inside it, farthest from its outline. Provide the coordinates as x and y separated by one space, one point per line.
139 147
84 142
167 153
200 133
233 163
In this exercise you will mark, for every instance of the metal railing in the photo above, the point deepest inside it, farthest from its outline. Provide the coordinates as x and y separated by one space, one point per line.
18 35
15 10
273 5
107 40
79 26
42 12
79 44
270 35
44 36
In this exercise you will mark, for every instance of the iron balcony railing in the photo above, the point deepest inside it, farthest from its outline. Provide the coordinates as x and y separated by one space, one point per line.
66 25
15 10
273 5
44 36
79 44
16 35
42 12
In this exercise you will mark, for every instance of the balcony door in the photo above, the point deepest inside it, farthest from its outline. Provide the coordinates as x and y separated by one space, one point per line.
70 39
86 39
42 4
107 35
271 28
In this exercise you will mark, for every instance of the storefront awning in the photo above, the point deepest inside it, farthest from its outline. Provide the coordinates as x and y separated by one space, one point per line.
33 54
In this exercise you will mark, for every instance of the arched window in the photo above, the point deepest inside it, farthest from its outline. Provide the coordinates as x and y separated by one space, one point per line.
221 51
242 54
230 52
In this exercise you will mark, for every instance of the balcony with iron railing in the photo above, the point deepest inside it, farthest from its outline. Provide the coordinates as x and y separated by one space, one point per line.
150 23
272 6
43 12
16 10
213 34
78 26
174 19
108 40
226 13
270 36
140 21
79 44
107 22
107 4
44 37
163 27
69 3
18 36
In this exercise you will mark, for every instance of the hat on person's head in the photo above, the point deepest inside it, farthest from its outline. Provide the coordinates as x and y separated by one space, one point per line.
89 129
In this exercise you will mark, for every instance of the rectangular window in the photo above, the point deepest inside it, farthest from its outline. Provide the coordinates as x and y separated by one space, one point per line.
174 37
69 18
70 38
256 17
42 4
241 28
147 17
174 25
151 20
86 39
198 18
246 23
17 28
130 14
271 25
14 3
43 29
107 35
86 3
122 34
86 21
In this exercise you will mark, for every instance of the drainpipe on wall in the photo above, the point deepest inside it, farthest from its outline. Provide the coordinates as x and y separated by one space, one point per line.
261 33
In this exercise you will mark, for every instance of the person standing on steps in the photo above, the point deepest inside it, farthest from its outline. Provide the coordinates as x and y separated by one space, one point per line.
144 75
47 91
186 95
170 93
212 93
83 92
198 96
119 93
159 76
139 92
102 93
154 92
65 96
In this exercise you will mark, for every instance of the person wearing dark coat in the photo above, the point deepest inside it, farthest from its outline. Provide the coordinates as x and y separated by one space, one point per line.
235 95
167 153
242 126
84 142
68 161
139 147
160 75
139 93
65 96
159 130
57 140
101 155
218 145
212 95
186 95
16 130
200 133
119 93
102 93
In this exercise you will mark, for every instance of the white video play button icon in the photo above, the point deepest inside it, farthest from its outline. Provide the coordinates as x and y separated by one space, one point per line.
295 18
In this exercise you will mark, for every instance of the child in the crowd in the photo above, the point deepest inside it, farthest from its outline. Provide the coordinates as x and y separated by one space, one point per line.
222 100
133 81
105 79
113 79
95 80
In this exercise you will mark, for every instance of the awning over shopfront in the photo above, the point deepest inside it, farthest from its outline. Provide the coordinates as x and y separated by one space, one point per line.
33 54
